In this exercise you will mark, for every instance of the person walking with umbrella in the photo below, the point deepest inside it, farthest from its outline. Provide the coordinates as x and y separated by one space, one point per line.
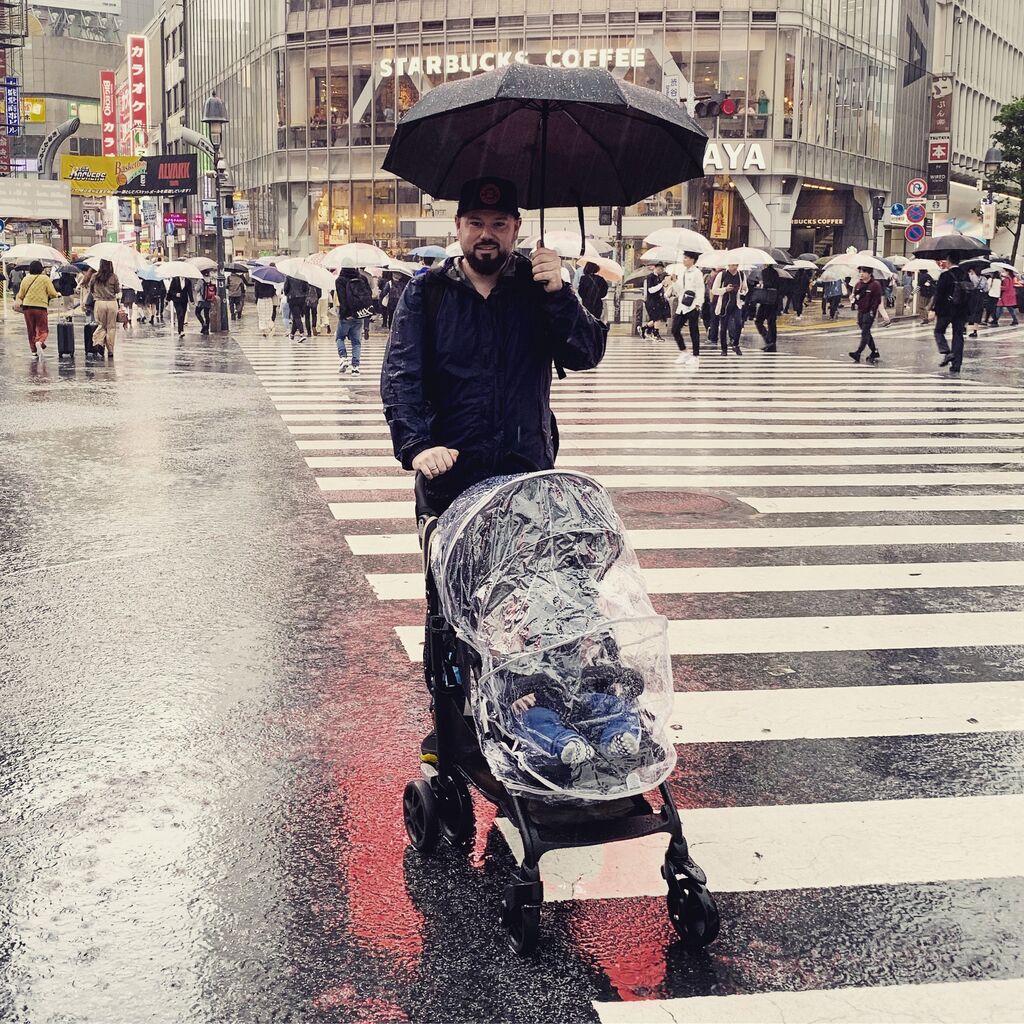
181 296
656 305
106 290
34 294
730 289
264 290
952 305
236 294
466 377
354 299
767 315
1007 300
690 289
592 290
296 292
867 297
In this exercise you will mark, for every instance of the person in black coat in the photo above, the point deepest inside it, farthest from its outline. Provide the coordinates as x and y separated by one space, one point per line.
593 288
952 305
466 377
181 297
766 318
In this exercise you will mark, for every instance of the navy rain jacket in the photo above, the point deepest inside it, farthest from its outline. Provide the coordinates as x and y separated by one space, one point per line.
479 380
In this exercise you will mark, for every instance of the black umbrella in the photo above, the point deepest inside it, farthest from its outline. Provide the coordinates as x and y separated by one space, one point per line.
575 137
780 256
238 268
808 256
951 243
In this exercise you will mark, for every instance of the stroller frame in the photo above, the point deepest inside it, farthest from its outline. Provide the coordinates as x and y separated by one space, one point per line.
439 805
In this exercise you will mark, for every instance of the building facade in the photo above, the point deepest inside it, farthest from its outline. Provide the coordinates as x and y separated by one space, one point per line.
811 105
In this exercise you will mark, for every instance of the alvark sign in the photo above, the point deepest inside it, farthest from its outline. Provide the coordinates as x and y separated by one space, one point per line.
130 176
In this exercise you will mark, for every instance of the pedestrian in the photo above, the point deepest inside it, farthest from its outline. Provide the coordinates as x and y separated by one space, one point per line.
106 289
466 379
181 296
386 308
153 293
295 291
86 299
236 294
995 293
867 298
655 304
592 290
354 299
67 287
731 291
1007 300
322 312
375 292
205 299
832 293
428 262
798 294
312 304
689 302
766 315
265 293
924 296
33 300
398 286
976 306
128 297
952 305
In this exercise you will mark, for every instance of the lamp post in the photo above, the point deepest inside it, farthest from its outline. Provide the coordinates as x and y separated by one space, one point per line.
877 213
993 161
215 117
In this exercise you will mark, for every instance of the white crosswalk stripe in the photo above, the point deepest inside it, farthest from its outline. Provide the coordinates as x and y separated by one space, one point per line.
900 461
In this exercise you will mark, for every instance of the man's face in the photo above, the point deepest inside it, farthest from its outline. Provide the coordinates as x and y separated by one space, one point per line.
688 261
865 276
487 238
733 268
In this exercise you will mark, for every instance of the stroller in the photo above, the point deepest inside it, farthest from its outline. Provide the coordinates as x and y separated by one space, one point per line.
551 688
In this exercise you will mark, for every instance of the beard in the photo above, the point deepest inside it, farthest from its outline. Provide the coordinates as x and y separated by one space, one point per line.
488 263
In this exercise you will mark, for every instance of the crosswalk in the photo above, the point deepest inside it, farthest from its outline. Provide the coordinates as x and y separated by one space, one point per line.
849 611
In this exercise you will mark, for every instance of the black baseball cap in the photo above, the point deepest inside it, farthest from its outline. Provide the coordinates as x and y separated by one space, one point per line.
488 194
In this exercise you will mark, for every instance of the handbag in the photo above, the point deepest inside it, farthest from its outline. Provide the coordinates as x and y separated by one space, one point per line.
762 296
122 316
688 296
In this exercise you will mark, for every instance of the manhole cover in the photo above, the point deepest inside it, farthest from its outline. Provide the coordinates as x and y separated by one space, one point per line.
670 502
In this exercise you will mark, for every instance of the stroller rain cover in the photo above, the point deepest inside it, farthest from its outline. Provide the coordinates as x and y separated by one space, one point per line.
575 693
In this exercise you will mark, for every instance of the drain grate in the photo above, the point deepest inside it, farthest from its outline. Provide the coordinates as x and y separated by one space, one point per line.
670 502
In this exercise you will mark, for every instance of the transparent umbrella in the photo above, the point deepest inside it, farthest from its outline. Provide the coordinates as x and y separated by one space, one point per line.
355 255
34 251
202 262
679 240
118 254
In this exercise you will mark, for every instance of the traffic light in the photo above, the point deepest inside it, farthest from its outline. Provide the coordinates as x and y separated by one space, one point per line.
604 216
718 104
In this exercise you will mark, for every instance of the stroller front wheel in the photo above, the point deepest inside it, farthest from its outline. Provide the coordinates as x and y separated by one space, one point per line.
694 914
422 821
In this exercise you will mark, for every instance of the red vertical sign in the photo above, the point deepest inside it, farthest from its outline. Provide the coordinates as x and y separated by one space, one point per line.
124 121
5 145
137 88
108 113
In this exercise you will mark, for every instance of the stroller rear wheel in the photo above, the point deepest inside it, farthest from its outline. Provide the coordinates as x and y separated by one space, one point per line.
422 821
455 808
520 911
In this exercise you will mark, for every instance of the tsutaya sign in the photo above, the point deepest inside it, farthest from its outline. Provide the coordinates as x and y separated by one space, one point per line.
470 63
734 156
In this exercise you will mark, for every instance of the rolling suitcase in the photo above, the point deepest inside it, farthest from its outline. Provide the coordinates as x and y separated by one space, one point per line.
65 340
87 333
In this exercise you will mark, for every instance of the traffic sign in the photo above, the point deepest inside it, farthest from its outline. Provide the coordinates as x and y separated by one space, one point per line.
3 225
916 213
898 209
917 188
4 246
914 233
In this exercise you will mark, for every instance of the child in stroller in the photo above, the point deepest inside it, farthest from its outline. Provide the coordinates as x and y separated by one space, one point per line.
539 627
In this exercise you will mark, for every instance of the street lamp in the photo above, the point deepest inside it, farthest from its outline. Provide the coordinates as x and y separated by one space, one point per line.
877 213
993 161
215 117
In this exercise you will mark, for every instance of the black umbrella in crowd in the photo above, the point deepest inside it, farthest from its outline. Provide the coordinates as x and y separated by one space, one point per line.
576 137
780 256
811 256
963 244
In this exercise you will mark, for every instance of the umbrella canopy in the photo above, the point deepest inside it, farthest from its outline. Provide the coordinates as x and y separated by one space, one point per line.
679 240
566 243
128 279
897 261
781 256
266 261
953 242
401 267
29 251
745 257
454 250
355 255
302 270
859 259
914 265
811 257
148 273
238 268
179 268
666 255
118 254
802 264
606 268
430 251
578 137
204 263
268 275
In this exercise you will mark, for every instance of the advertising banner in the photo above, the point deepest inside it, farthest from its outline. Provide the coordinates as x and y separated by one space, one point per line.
12 93
128 176
108 113
124 121
137 72
242 221
5 146
942 105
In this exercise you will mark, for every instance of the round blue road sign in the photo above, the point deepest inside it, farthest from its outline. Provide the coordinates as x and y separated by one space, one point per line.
916 213
3 225
914 233
898 209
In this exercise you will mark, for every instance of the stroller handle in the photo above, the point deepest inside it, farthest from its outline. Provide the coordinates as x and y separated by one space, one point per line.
510 462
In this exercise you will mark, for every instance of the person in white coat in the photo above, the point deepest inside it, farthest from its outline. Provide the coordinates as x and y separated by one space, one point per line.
730 290
689 293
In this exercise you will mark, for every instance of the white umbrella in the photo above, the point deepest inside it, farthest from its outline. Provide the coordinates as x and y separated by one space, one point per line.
679 240
302 270
400 267
744 257
804 265
202 262
34 251
566 244
839 272
454 250
1000 265
179 268
898 260
920 263
860 259
606 268
119 255
267 261
128 279
355 255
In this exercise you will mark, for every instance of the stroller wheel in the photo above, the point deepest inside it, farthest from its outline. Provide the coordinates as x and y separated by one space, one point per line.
524 930
520 911
456 812
422 822
694 913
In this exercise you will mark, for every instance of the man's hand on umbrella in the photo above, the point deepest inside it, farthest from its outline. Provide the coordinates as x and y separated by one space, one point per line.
435 461
547 269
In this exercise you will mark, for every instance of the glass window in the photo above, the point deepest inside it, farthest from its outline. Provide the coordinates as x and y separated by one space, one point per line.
338 102
362 96
787 47
317 98
362 211
383 99
281 79
297 106
705 71
385 226
763 100
733 82
341 213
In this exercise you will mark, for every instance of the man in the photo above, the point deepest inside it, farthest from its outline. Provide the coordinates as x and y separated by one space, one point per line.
867 296
236 294
592 289
952 307
730 289
691 298
354 299
297 293
466 378
181 296
767 317
207 297
655 303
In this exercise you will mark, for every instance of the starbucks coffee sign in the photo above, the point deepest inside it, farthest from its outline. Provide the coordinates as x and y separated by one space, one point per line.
491 60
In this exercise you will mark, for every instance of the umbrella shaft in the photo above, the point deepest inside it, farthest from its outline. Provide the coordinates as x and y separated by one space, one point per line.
543 162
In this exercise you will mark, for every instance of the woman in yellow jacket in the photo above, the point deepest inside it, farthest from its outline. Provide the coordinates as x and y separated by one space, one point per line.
34 295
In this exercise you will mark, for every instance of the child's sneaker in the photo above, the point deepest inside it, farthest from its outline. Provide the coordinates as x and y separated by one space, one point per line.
623 745
575 753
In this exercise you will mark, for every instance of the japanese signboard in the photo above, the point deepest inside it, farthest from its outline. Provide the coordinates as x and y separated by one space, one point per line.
938 179
12 93
939 137
5 146
108 113
137 72
130 176
124 121
942 105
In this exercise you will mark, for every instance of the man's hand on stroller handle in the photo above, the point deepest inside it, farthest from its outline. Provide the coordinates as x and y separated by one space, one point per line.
435 461
524 703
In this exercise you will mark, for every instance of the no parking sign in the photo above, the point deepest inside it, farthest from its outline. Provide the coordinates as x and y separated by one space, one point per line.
914 233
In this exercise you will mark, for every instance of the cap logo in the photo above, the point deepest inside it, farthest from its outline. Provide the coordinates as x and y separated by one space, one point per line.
490 194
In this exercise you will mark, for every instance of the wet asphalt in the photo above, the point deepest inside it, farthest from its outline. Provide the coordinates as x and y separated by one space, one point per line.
203 743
